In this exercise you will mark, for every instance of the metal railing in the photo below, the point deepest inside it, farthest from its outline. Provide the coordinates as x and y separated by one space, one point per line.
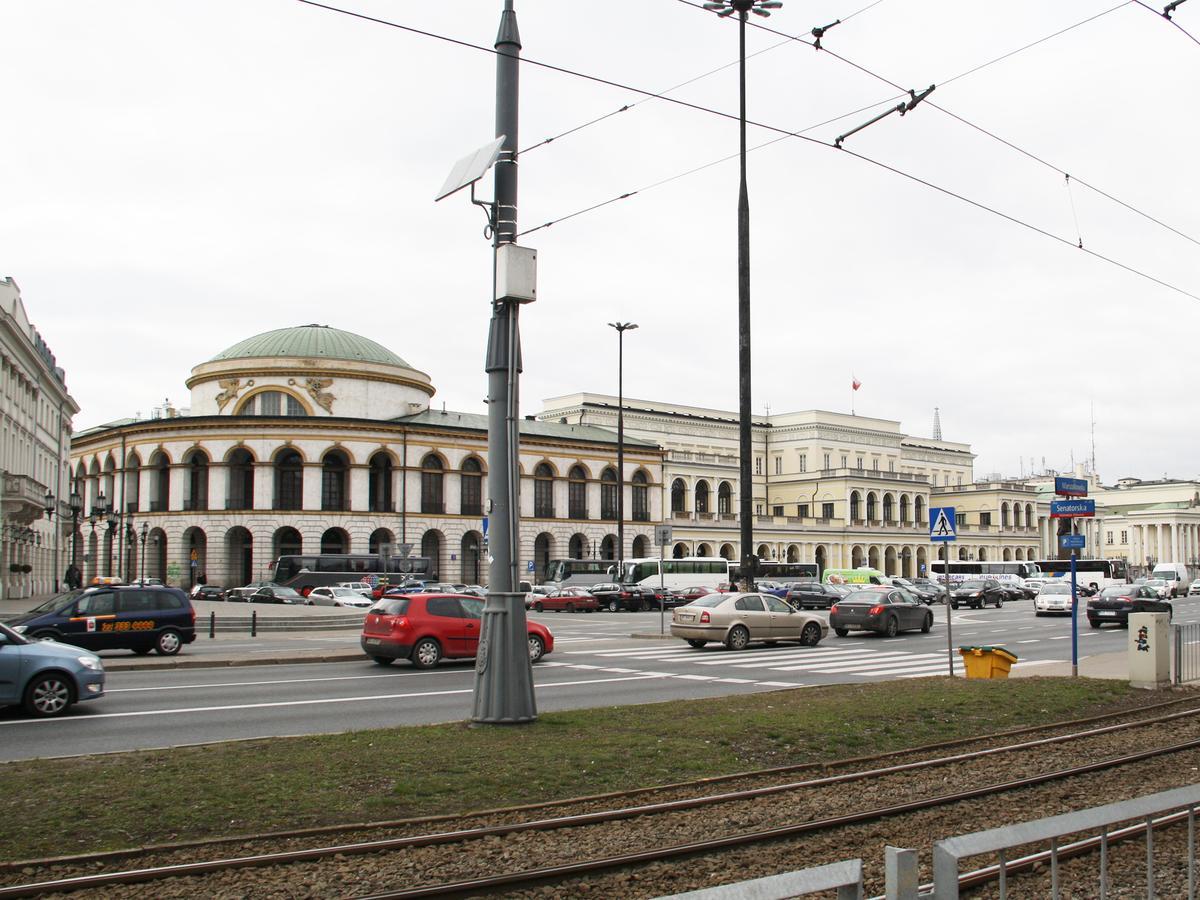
1185 641
1153 810
844 877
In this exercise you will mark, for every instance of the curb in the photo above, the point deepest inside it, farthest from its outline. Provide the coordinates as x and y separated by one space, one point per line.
653 637
226 662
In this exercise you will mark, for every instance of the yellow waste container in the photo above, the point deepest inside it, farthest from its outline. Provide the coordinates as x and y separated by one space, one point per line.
987 662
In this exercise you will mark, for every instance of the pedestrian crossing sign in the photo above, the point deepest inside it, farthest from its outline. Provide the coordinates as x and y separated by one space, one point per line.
942 524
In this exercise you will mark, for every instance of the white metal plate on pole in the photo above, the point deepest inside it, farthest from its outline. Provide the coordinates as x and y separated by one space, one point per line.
471 168
405 549
662 534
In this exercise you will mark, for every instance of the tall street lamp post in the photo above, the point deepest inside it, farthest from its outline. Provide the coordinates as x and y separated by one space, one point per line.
51 506
743 8
621 328
76 509
145 532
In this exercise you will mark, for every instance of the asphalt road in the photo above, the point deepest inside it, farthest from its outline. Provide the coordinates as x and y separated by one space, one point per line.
595 663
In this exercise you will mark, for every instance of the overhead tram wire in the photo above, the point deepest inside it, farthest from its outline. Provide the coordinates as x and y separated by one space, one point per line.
1029 154
781 131
1165 14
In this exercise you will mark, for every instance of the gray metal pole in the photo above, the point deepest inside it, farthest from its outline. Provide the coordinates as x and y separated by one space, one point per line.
620 451
746 504
503 674
949 628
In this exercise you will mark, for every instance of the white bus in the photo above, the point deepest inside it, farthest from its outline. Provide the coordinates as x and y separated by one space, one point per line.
579 572
1093 573
1009 572
676 574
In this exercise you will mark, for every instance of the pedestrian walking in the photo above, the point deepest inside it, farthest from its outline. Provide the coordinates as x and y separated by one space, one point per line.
73 578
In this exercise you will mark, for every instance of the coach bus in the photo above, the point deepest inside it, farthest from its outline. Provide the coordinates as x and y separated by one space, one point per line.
579 572
676 574
302 573
1011 572
1093 573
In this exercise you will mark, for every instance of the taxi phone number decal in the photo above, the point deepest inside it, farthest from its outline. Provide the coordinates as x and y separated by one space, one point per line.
139 625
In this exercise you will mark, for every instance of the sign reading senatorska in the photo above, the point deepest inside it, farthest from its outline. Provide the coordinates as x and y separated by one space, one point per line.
1071 509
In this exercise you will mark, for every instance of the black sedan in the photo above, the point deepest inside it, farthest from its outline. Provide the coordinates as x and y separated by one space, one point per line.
886 611
614 597
813 595
1114 604
977 594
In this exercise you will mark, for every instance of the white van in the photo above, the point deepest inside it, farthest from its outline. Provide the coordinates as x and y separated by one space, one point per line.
1175 575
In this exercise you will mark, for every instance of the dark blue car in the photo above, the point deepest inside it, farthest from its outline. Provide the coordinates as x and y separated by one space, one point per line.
46 677
133 617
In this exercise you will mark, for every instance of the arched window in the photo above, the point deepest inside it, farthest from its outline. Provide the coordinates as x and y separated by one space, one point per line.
904 509
678 496
889 510
272 403
872 507
577 495
919 510
1004 515
1016 515
381 539
197 481
471 487
471 550
334 468
1030 521
431 487
608 495
701 496
240 466
543 491
543 547
133 471
641 547
578 548
289 480
160 483
724 499
855 504
641 499
431 546
608 547
287 542
335 540
379 484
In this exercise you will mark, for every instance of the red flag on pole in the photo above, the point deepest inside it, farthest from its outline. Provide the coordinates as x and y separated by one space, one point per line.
855 384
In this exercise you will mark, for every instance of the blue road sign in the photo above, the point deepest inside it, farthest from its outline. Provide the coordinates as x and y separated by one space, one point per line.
529 566
1072 509
1073 541
942 524
1070 487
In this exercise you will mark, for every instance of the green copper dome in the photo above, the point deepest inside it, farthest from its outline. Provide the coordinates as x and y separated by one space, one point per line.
312 341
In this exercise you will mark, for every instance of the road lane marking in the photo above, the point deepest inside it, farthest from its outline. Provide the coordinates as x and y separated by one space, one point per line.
229 684
316 702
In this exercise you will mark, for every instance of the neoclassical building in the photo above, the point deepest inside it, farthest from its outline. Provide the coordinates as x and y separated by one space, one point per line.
311 439
35 437
835 489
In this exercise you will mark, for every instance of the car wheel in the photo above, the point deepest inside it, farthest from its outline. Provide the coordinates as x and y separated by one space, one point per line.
1094 623
168 642
426 653
49 695
999 603
695 642
383 660
927 624
538 607
810 635
1038 613
841 632
614 605
953 605
892 627
570 607
44 636
737 638
536 648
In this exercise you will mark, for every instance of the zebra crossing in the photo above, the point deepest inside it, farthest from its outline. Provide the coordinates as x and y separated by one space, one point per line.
851 658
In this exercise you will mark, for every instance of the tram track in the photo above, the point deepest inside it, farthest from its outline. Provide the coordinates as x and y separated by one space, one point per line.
447 841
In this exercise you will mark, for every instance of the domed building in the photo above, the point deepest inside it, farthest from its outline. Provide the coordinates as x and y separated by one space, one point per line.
315 440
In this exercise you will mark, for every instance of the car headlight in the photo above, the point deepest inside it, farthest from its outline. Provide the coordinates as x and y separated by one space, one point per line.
19 629
91 662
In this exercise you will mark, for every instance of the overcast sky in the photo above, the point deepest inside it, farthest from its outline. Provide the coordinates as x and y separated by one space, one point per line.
178 176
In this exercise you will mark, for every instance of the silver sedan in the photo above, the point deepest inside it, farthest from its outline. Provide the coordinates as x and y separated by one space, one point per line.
737 620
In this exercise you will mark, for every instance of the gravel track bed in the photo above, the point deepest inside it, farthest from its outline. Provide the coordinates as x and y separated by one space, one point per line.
377 872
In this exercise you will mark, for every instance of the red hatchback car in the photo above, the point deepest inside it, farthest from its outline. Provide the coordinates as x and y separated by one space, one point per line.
425 628
567 600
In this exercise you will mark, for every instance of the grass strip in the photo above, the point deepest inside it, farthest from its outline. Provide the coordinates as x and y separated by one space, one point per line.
87 804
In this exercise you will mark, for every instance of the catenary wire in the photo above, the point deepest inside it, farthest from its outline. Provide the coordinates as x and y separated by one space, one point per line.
1189 35
781 131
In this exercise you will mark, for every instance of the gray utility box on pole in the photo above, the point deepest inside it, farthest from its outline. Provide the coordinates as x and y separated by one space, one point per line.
516 273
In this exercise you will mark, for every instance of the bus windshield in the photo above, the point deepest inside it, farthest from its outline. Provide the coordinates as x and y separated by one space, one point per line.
300 572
